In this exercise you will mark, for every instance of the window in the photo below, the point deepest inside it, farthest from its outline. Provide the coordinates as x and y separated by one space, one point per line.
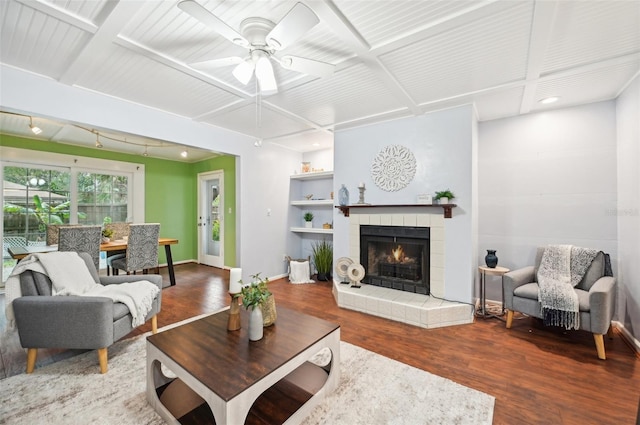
40 188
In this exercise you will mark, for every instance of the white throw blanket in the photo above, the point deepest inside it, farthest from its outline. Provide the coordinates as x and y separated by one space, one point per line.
299 272
562 267
69 275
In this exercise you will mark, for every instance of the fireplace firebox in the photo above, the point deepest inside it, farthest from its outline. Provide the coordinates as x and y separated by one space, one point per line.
396 257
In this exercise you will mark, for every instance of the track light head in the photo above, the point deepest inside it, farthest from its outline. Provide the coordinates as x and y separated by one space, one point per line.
36 130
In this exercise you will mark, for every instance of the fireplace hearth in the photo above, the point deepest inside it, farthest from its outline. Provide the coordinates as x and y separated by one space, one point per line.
396 257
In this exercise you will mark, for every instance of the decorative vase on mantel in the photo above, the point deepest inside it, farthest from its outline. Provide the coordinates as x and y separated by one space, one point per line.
256 324
343 196
491 260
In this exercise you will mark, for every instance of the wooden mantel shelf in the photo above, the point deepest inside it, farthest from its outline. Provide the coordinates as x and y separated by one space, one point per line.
446 207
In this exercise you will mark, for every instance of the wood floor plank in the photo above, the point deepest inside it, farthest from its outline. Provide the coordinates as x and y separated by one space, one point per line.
538 375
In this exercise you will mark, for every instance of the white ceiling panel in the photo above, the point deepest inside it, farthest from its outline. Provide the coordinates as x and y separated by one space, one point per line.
591 86
244 120
392 58
590 31
47 48
351 93
134 77
381 21
471 57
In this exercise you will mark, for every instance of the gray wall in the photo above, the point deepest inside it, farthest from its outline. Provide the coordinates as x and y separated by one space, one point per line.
628 211
547 178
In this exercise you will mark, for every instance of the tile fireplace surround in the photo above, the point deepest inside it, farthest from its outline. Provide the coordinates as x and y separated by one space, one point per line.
415 309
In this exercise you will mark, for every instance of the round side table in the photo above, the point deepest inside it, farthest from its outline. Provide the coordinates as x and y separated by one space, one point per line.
484 271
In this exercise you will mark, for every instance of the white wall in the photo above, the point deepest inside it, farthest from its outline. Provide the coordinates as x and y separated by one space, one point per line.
544 178
442 143
262 175
628 211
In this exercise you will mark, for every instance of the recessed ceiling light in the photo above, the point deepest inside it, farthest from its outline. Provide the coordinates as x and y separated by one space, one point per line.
551 99
316 144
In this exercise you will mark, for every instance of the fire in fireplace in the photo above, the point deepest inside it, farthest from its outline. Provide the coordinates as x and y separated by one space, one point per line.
396 257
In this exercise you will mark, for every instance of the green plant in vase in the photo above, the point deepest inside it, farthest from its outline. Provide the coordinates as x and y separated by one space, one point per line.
444 196
255 293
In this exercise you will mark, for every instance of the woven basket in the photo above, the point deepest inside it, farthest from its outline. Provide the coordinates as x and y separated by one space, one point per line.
269 314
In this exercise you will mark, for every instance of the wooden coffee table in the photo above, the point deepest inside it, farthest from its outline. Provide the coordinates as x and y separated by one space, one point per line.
230 373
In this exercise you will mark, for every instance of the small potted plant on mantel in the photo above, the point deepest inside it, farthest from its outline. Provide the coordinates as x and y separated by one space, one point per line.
444 196
254 296
308 219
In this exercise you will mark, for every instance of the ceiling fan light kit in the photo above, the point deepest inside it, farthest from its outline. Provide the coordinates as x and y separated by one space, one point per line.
262 38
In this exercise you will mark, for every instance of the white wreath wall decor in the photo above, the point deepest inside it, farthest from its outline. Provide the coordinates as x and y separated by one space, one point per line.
393 168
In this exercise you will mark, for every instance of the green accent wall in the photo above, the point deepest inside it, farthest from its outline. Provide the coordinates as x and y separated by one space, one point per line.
170 193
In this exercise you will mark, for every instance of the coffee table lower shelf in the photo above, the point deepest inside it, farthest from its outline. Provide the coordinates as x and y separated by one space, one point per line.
275 405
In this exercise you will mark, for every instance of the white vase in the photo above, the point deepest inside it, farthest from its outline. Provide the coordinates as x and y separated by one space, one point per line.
308 224
256 325
444 201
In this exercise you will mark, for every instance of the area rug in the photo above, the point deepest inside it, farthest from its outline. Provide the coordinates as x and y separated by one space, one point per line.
373 390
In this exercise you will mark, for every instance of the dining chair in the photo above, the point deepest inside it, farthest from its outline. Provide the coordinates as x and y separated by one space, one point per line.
120 231
142 249
81 239
52 232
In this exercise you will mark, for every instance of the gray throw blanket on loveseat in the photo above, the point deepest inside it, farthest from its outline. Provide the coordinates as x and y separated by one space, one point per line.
562 267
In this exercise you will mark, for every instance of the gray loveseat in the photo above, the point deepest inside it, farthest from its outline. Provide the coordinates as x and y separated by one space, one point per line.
596 294
46 321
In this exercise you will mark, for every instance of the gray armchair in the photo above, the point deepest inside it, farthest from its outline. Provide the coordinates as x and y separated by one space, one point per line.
46 321
596 295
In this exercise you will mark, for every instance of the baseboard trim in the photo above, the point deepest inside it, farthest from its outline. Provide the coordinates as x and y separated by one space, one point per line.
627 337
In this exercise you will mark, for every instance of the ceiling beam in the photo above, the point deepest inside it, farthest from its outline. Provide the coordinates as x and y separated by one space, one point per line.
342 28
544 16
96 50
61 14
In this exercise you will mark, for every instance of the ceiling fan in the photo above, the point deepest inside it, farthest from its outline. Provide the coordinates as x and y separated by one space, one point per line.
263 39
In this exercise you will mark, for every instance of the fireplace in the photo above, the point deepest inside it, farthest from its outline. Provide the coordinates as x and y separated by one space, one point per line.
396 257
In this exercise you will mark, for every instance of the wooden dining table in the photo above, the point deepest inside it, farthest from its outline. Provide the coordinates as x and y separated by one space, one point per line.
19 252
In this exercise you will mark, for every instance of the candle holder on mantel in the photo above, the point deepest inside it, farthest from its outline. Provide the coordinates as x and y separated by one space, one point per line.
233 324
361 188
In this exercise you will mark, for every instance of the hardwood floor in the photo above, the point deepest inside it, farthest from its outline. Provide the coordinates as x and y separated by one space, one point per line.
537 375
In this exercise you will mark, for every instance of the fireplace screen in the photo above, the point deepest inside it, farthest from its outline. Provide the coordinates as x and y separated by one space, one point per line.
396 257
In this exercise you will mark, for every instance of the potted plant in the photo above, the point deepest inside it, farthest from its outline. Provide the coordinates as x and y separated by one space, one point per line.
323 259
444 196
308 217
255 295
106 235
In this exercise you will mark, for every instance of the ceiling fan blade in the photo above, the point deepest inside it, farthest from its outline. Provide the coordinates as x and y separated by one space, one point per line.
216 63
203 15
244 71
307 66
295 23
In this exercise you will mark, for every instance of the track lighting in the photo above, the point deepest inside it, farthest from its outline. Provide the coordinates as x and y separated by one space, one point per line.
35 129
98 144
145 153
258 143
184 153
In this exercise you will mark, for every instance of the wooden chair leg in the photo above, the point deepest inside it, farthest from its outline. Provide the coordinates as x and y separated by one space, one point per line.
32 353
509 318
154 324
599 339
102 358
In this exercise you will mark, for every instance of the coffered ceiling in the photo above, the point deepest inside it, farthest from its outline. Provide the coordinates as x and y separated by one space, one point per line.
393 58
